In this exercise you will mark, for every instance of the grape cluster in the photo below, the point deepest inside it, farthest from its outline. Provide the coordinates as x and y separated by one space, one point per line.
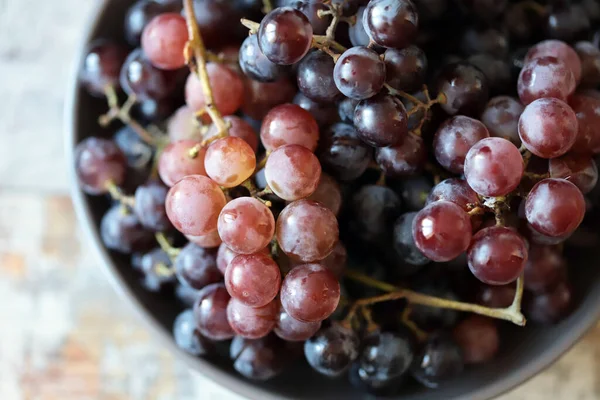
250 168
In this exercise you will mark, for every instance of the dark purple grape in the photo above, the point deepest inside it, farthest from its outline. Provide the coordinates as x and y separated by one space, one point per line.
578 169
590 63
496 70
197 267
342 153
311 9
218 21
404 160
187 337
101 67
142 12
153 111
256 65
324 114
546 267
523 23
122 231
414 191
210 312
568 23
464 87
138 77
315 77
501 117
374 210
439 360
551 307
156 267
496 296
485 10
186 295
358 35
381 121
489 41
404 242
391 23
346 109
359 73
285 35
138 153
431 10
431 318
99 162
259 359
478 338
405 69
331 350
150 199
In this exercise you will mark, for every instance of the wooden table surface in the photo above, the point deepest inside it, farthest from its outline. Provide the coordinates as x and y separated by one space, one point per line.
64 333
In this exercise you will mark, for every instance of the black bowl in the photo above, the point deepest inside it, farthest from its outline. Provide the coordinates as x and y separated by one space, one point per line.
524 352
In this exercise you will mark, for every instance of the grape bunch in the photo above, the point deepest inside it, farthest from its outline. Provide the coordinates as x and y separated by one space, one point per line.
276 167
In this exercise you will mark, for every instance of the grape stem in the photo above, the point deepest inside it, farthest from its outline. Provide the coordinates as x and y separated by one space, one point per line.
267 6
410 324
164 244
511 313
118 195
251 25
195 55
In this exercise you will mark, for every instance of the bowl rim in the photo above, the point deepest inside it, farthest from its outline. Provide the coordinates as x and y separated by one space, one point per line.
226 380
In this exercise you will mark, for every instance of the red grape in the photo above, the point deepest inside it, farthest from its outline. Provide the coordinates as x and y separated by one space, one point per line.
494 167
246 225
587 110
237 128
590 63
478 338
261 97
250 322
548 127
210 312
336 260
101 67
459 192
289 124
381 121
328 193
406 68
229 161
164 40
580 170
180 159
555 207
208 241
253 279
315 77
545 268
404 160
501 117
293 172
98 162
193 205
310 293
465 89
497 255
225 255
292 330
442 231
183 126
453 140
551 307
141 13
545 77
307 231
285 35
391 23
359 73
496 296
557 49
227 88
196 267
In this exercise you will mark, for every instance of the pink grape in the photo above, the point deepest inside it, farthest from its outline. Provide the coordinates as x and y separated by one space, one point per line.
238 128
208 241
225 255
253 279
555 207
442 231
227 87
289 124
293 172
548 127
459 192
210 312
478 339
180 159
454 139
250 322
501 117
494 167
246 225
307 231
579 170
403 160
193 205
292 330
545 77
182 125
558 49
310 293
164 39
229 161
587 110
328 193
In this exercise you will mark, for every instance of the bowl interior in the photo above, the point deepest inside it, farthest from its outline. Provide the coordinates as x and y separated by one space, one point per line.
524 352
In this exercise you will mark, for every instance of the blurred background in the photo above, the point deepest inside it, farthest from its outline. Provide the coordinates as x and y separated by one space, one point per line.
64 333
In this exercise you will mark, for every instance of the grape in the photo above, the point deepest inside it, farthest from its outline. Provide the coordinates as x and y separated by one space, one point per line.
293 172
292 330
357 34
181 159
226 85
374 209
453 140
307 231
545 77
464 87
568 22
484 41
141 13
256 65
310 293
246 225
414 191
259 359
187 336
260 97
439 360
324 114
478 339
404 242
538 238
343 154
391 23
442 230
332 349
289 124
97 163
225 255
183 126
121 231
315 77
496 70
253 279
210 312
521 23
196 267
456 191
101 67
404 160
484 10
551 307
137 152
149 206
328 193
555 207
359 73
545 269
497 255
494 167
579 170
229 161
432 318
587 111
153 111
311 9
548 127
193 205
156 267
381 121
406 68
346 109
557 49
249 322
218 21
336 260
590 63
497 296
237 128
140 78
285 35
208 241
501 118
164 39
